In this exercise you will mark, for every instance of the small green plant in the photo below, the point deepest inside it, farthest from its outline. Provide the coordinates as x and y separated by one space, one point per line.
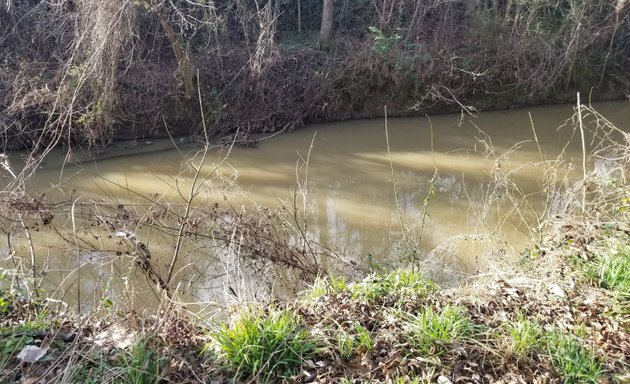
347 343
524 336
12 344
143 364
402 283
92 370
325 286
426 378
614 271
263 344
430 330
571 359
14 338
5 294
383 43
364 338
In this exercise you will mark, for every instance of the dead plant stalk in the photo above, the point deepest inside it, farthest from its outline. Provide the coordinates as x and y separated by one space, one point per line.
193 192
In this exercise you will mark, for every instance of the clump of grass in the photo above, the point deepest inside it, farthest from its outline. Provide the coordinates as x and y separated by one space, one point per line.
431 330
143 364
358 339
323 286
93 369
425 378
613 272
524 337
402 283
264 345
574 362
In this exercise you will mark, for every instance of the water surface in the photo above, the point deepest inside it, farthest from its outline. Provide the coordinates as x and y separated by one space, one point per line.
435 190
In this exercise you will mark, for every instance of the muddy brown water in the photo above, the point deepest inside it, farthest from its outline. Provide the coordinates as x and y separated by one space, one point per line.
425 189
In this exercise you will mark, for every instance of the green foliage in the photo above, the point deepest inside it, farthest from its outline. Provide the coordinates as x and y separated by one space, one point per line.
91 370
358 339
4 303
11 344
363 337
325 286
624 205
143 364
401 283
383 43
572 360
525 337
93 114
426 378
269 344
431 330
5 295
613 271
13 339
345 345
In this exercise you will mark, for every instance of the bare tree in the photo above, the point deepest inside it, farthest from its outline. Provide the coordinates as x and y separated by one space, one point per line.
326 31
182 56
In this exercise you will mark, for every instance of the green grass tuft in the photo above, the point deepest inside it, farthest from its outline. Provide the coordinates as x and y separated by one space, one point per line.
614 272
430 330
143 364
525 337
264 345
347 344
574 362
402 284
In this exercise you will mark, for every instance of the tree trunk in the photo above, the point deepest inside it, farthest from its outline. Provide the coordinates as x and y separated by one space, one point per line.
182 57
299 15
325 34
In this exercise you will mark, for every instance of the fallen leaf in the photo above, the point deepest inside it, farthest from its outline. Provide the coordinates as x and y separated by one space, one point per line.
32 353
116 335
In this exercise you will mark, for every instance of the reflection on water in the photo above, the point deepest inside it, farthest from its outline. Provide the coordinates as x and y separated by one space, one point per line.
446 199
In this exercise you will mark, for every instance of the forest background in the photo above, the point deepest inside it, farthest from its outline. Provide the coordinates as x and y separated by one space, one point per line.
92 71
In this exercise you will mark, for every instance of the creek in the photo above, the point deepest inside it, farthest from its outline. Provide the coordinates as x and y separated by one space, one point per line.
456 193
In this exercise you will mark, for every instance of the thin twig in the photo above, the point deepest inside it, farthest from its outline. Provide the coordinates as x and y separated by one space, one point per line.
579 111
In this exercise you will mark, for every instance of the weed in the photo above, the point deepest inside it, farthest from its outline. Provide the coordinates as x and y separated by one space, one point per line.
364 338
430 330
13 339
325 286
571 359
143 365
406 284
426 378
263 344
92 370
347 343
525 337
614 272
5 301
12 344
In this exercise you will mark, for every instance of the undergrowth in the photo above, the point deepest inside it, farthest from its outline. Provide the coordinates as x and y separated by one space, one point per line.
265 345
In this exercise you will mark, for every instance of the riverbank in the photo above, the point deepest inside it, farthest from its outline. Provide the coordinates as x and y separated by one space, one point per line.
561 315
558 314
